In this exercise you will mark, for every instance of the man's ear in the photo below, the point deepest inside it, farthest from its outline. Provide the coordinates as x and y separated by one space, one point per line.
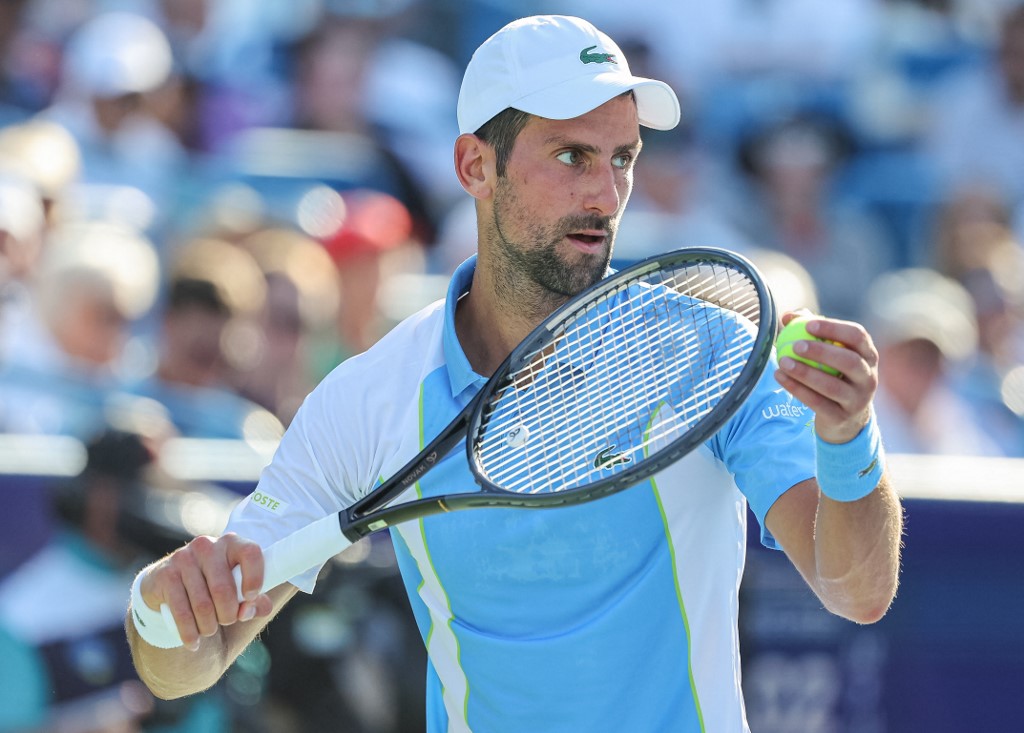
475 166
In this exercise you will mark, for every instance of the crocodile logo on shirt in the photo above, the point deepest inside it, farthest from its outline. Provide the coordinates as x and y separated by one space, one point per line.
596 58
609 458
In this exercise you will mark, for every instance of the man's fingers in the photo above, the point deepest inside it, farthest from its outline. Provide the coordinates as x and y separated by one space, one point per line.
847 362
198 586
849 334
204 608
261 606
248 557
177 600
798 313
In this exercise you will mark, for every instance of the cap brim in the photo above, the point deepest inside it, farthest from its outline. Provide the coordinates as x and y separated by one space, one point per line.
657 105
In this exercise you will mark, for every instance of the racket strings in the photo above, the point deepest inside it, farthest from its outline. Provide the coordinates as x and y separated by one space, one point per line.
638 339
647 337
685 412
588 407
570 406
570 414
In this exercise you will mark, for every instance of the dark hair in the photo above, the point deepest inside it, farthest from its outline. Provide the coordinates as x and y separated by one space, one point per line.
116 455
500 132
188 292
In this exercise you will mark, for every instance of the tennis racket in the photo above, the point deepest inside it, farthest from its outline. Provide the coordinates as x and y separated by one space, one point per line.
621 381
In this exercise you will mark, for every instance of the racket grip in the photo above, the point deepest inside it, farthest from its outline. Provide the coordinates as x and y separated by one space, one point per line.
157 628
293 555
298 552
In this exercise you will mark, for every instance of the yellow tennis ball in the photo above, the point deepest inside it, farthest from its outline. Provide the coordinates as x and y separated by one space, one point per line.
796 330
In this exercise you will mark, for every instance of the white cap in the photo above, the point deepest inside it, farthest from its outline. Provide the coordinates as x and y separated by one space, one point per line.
120 260
920 303
558 67
117 53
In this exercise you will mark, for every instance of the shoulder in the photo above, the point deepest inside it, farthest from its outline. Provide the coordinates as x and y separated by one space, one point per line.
372 388
363 413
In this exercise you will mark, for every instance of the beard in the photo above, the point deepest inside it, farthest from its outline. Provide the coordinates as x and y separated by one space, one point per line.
531 262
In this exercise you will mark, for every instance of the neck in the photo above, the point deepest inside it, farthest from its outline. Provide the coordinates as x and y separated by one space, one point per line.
487 332
496 315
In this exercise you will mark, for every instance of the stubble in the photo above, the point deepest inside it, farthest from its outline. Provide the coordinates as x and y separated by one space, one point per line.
530 272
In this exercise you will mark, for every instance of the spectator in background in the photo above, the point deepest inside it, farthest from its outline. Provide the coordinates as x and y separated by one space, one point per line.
298 320
46 155
793 208
790 283
65 663
967 224
373 231
977 130
22 220
924 327
994 381
180 103
60 361
975 246
747 48
332 65
213 285
38 161
674 202
404 75
111 66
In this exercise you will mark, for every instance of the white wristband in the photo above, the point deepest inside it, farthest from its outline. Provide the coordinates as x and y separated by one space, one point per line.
157 628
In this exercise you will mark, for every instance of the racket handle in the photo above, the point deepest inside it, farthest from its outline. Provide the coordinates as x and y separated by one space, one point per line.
298 552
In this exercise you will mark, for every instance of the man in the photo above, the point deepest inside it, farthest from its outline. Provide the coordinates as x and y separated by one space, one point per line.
59 352
569 619
927 333
117 72
211 283
66 666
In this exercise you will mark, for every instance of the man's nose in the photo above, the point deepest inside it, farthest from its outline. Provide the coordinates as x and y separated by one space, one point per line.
603 194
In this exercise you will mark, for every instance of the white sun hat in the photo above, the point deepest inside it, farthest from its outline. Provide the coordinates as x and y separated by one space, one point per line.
557 67
117 53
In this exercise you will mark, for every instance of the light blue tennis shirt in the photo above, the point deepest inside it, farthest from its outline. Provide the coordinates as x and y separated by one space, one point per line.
616 615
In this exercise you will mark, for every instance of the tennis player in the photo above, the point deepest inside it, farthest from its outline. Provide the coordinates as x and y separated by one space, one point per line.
616 615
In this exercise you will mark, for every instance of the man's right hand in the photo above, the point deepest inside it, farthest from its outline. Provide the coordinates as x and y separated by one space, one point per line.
196 582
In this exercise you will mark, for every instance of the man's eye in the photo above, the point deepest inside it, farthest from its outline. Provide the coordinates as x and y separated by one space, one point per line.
622 161
569 157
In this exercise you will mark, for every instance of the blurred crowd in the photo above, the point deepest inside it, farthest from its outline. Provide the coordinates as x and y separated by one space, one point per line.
206 205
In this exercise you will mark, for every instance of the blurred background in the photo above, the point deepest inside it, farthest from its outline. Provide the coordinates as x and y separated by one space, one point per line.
206 205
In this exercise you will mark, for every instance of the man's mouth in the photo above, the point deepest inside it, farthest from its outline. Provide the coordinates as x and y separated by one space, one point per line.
588 241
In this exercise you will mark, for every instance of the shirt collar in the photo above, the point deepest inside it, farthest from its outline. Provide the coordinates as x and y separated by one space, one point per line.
460 373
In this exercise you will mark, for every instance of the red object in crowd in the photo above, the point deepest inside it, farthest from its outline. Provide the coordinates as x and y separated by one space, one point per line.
372 222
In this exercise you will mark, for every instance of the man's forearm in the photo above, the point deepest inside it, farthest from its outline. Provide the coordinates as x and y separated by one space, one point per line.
857 553
174 673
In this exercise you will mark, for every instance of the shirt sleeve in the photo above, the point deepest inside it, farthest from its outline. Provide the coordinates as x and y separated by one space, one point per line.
768 445
314 472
